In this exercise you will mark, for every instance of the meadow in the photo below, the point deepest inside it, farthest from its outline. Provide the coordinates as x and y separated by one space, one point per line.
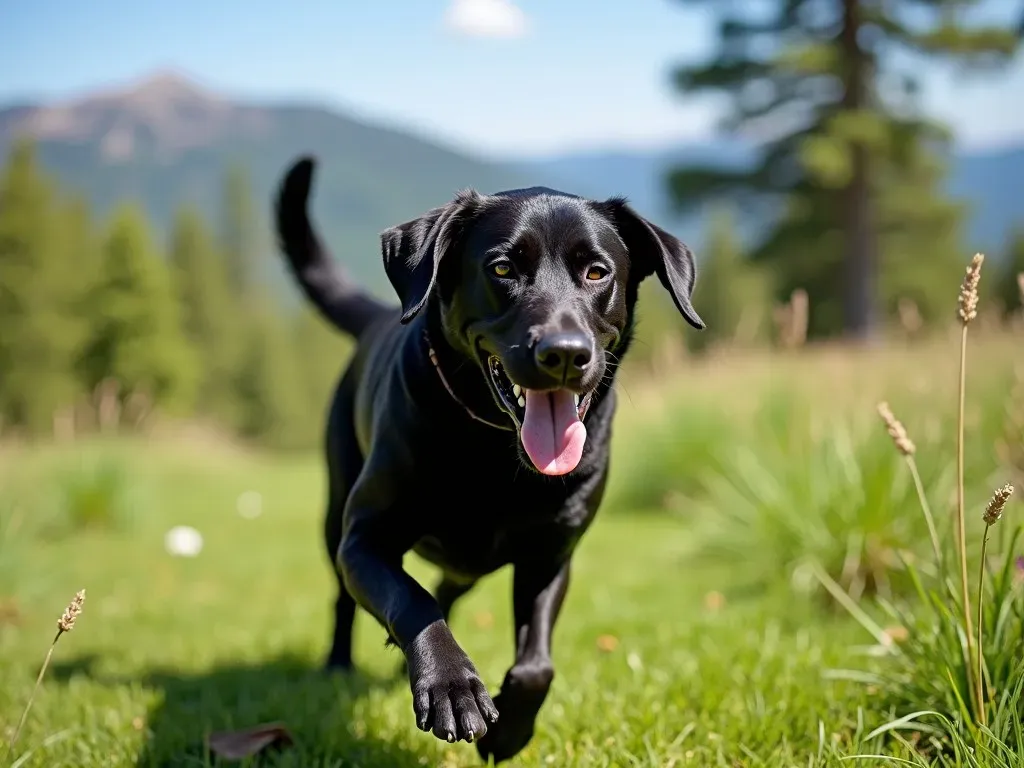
727 609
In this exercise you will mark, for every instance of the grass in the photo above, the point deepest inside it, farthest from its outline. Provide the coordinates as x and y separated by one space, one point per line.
973 683
711 667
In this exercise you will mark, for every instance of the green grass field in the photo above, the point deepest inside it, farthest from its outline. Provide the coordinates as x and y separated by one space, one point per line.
728 480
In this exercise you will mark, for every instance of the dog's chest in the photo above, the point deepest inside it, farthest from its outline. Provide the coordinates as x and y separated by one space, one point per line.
472 534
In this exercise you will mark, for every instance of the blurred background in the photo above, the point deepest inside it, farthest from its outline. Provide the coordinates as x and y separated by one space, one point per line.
835 176
833 165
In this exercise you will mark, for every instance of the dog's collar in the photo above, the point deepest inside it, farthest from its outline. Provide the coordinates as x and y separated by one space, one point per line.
451 392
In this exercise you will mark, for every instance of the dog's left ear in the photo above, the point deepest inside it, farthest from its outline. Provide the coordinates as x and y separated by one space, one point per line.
413 251
653 250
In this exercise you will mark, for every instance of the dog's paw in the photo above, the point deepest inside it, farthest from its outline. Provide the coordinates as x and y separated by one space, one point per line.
522 695
448 697
509 737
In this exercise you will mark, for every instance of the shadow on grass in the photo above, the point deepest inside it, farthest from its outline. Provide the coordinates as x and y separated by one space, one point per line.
321 710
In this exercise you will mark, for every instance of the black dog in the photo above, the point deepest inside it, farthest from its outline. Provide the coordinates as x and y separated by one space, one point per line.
472 425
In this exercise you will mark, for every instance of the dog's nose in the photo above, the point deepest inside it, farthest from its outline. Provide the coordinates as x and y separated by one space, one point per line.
564 356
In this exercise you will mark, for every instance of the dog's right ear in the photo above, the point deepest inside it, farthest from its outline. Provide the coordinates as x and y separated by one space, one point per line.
413 251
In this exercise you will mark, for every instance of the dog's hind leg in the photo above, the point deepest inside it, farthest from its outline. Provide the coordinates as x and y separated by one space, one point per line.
538 591
344 463
448 591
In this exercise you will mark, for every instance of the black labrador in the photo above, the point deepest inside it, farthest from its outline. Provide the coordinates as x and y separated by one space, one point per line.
472 425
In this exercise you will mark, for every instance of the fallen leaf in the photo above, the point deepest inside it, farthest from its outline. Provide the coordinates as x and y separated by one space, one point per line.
484 619
897 633
236 745
607 643
10 612
714 600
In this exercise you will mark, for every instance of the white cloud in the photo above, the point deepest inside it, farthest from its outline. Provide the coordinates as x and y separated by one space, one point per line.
486 18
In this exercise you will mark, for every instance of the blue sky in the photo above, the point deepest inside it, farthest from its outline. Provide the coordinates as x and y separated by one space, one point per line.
498 77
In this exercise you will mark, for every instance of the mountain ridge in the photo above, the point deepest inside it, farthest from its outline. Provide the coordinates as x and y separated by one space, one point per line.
166 139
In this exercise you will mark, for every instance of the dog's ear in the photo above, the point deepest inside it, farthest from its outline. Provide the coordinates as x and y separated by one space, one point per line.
652 250
413 251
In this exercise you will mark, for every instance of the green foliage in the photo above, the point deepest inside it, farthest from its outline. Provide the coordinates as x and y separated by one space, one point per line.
238 228
39 288
675 455
1008 287
209 312
807 491
12 550
971 683
731 293
850 173
321 353
268 386
190 332
92 494
135 336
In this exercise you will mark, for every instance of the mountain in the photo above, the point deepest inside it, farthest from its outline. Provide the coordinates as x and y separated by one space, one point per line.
165 140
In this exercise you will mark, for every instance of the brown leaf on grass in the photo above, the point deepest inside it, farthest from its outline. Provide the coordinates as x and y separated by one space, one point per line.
237 745
714 600
10 612
896 633
607 643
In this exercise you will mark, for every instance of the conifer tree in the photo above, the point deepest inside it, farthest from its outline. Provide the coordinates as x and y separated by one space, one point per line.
135 334
837 120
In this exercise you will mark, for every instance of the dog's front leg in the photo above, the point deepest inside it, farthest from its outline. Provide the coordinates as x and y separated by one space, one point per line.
538 592
448 696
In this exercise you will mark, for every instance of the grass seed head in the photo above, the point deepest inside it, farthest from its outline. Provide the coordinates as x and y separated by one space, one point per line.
969 290
896 430
994 510
66 622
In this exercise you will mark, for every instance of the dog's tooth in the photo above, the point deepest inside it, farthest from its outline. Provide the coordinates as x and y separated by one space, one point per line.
576 399
517 390
522 401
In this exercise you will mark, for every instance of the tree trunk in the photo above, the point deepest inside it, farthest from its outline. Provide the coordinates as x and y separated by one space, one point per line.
860 257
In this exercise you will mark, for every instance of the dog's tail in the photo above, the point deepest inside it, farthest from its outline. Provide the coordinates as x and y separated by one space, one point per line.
325 282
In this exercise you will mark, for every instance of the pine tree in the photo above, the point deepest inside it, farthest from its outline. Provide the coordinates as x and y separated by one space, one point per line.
209 314
39 286
321 353
135 334
269 388
239 240
1010 289
817 84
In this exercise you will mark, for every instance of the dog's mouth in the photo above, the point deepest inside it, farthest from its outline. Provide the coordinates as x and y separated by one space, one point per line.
550 422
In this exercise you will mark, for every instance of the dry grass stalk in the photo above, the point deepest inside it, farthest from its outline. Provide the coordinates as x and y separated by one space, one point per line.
65 623
791 319
910 316
967 310
906 447
896 430
993 512
968 303
994 509
1020 284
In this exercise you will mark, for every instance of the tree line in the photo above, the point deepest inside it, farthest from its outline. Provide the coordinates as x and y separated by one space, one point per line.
104 324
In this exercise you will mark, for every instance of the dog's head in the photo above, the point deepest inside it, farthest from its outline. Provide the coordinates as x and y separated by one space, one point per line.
538 288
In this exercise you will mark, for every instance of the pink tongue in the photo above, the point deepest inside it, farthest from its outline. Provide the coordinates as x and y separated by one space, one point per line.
552 432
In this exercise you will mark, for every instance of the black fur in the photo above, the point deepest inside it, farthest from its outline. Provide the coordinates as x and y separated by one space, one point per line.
410 469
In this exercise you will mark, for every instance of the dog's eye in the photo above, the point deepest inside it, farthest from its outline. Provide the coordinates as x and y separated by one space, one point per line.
501 268
596 272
